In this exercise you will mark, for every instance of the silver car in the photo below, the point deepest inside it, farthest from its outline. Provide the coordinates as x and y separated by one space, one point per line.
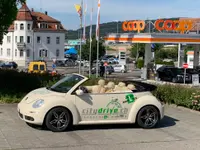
120 68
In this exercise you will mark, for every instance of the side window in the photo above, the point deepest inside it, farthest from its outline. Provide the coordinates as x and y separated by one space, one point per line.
21 26
42 67
35 67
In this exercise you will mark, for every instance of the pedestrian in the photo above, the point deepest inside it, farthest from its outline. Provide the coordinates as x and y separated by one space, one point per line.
102 70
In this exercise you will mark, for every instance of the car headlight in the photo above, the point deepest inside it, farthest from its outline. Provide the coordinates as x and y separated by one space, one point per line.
38 103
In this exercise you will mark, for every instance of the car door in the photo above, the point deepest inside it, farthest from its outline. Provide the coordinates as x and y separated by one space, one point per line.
91 107
122 104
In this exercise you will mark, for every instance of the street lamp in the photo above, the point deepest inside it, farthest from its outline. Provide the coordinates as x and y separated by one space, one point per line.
117 25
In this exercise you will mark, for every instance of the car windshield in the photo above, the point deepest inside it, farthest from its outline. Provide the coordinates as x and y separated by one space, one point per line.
65 84
177 70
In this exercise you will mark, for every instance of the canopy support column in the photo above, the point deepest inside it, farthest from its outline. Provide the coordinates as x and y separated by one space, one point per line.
196 56
147 59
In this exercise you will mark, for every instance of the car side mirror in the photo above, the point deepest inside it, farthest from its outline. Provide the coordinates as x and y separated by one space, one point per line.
79 92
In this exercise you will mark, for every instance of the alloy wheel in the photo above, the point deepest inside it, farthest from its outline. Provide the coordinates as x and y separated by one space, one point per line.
148 117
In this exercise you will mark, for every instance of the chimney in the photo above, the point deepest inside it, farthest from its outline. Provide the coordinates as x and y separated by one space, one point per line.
46 13
32 9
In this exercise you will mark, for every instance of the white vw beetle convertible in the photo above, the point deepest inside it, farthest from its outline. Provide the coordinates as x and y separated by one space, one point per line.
72 102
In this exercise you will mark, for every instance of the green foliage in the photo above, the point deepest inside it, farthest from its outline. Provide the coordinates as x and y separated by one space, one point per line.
140 63
177 94
138 50
168 53
15 84
86 49
8 11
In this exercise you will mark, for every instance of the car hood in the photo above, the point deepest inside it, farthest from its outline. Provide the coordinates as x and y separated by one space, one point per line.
41 93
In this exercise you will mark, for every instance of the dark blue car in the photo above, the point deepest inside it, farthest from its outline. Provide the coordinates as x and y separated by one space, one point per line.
6 65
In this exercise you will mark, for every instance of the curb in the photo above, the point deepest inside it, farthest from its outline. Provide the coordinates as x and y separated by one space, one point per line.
183 108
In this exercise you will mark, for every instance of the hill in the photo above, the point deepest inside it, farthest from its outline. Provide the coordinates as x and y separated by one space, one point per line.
105 28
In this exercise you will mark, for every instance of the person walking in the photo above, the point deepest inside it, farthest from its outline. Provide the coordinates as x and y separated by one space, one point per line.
102 70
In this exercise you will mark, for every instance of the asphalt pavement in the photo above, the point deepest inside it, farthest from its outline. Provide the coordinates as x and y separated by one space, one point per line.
179 130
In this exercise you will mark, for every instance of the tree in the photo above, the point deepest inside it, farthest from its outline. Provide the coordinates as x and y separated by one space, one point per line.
138 49
86 50
8 11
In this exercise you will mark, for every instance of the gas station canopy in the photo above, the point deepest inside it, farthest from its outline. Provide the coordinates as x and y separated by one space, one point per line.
154 38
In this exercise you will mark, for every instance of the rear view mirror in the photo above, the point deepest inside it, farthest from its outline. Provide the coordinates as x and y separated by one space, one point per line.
79 92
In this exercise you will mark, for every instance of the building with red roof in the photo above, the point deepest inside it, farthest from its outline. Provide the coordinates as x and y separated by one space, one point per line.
33 36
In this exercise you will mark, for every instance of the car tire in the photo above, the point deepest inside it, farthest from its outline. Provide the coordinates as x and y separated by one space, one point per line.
58 119
174 80
148 117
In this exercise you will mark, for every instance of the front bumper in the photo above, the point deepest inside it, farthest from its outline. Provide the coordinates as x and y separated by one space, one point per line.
30 115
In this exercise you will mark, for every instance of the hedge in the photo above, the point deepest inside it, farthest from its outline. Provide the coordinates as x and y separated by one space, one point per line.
14 85
179 95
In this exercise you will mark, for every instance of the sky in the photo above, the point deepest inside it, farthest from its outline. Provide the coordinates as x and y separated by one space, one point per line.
116 10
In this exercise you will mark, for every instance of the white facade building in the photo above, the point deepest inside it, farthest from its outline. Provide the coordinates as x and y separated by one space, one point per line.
33 36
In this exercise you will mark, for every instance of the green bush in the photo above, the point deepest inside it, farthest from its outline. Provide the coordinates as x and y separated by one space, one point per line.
14 84
176 94
140 63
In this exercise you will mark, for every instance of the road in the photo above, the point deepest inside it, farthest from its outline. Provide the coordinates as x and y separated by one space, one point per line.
132 73
179 130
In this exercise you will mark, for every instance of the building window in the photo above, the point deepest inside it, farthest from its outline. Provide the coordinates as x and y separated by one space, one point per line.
15 39
27 53
1 53
29 27
21 26
16 26
28 39
57 53
15 52
38 39
8 52
21 39
48 40
43 53
8 39
21 53
57 40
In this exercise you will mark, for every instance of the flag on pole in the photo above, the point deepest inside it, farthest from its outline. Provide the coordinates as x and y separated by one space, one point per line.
91 25
78 9
84 29
98 21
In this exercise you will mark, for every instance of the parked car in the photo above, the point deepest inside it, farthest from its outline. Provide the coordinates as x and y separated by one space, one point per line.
60 63
120 68
71 101
174 74
109 70
8 65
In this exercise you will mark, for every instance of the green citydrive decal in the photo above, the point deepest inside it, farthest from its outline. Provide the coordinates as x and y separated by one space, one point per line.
112 110
130 98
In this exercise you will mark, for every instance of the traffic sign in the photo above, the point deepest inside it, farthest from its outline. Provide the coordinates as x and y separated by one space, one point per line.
185 66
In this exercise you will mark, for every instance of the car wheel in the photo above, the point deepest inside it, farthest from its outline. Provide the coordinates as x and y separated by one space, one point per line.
174 80
148 117
123 71
58 119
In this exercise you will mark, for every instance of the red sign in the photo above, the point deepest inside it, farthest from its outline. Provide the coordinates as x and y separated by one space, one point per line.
185 66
